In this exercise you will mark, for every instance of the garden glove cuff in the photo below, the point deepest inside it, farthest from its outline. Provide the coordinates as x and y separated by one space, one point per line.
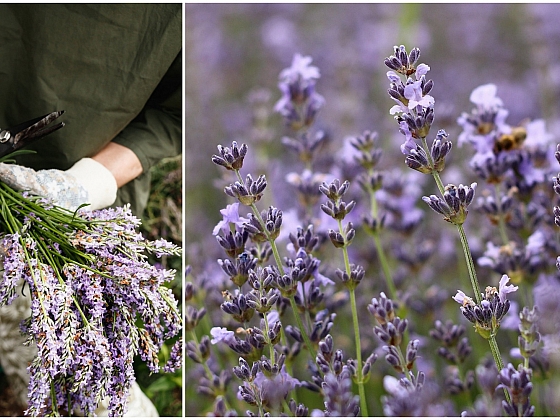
88 181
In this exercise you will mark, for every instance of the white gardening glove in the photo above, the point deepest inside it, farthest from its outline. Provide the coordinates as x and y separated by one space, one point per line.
88 181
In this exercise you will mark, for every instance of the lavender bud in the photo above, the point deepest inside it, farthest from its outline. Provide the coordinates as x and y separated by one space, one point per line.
298 410
248 193
294 332
305 239
231 159
193 317
411 352
337 239
335 190
247 395
189 291
243 371
233 242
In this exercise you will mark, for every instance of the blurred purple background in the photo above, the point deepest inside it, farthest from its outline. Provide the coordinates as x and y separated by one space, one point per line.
234 53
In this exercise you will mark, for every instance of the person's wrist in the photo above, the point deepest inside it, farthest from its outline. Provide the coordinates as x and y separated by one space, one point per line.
121 161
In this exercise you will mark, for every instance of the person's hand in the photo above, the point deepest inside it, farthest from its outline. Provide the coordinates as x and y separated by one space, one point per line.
88 181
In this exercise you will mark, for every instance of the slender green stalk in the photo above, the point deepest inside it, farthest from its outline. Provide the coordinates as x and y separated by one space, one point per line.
380 251
385 266
306 339
403 363
53 400
361 389
360 380
470 266
498 360
470 263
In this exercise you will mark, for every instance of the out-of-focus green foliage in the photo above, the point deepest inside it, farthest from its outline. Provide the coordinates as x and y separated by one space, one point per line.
163 219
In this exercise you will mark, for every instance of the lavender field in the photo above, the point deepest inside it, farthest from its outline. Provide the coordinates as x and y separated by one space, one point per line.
372 210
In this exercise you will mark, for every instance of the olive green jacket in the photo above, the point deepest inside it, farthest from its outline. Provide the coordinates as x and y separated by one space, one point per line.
115 69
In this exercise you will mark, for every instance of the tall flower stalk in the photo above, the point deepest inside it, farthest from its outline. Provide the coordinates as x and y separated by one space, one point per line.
371 181
352 275
414 112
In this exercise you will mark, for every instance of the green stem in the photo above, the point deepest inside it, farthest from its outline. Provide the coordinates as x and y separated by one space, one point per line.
54 406
439 183
403 363
306 339
385 267
360 380
471 268
361 390
379 248
498 360
470 263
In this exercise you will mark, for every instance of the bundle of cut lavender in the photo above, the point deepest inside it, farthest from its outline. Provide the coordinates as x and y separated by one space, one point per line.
96 301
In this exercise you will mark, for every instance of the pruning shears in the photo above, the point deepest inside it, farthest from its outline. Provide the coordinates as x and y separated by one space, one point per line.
14 138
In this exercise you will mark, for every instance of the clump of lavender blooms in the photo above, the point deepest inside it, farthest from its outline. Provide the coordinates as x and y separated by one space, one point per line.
281 318
96 301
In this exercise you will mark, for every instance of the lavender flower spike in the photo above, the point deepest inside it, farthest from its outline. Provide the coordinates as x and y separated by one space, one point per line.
493 307
454 204
299 102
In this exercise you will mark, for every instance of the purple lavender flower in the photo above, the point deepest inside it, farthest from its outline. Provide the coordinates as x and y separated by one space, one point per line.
454 204
504 289
337 391
414 110
299 103
89 288
518 384
230 215
493 307
14 265
222 334
274 389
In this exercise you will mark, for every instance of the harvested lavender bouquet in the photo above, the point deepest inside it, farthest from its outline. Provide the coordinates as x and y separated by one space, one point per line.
96 301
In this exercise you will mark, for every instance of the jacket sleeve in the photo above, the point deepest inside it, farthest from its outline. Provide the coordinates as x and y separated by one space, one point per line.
156 133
